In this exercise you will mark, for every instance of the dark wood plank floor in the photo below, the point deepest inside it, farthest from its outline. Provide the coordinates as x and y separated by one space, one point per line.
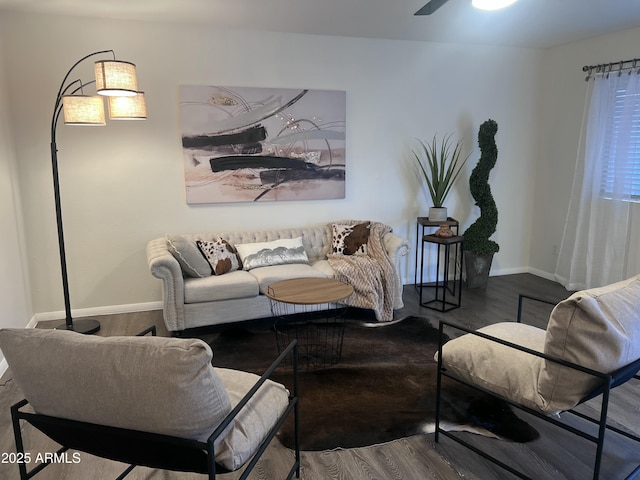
554 456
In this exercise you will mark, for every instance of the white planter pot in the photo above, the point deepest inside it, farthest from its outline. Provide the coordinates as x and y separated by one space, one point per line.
437 214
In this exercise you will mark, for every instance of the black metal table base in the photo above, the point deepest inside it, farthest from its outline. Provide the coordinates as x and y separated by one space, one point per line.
320 334
441 287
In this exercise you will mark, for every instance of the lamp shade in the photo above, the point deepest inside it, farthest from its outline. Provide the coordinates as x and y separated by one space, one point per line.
127 108
115 77
83 110
492 4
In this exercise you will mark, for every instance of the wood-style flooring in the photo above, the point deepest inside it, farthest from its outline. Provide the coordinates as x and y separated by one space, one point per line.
556 455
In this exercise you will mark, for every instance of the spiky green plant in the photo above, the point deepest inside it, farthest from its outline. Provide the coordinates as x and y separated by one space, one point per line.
440 166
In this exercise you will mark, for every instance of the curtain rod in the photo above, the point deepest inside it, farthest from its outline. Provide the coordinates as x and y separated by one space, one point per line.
613 66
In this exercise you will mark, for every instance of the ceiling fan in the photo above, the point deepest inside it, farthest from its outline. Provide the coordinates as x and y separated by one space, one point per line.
431 7
434 5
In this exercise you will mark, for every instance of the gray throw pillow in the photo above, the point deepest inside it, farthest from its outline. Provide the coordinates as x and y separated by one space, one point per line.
189 257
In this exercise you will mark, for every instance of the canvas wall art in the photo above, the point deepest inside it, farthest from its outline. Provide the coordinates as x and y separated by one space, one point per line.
245 144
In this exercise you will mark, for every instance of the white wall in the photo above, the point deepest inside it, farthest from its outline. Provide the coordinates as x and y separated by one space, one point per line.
562 96
14 296
123 185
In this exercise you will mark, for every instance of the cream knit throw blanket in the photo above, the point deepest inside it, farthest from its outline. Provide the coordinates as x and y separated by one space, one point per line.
371 276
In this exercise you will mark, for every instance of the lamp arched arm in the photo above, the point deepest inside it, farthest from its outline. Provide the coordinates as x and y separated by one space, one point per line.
63 88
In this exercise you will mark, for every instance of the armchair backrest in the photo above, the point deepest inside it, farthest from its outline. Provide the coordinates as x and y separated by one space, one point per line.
598 329
152 384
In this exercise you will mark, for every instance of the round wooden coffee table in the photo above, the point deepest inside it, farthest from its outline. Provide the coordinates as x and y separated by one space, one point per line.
309 291
311 311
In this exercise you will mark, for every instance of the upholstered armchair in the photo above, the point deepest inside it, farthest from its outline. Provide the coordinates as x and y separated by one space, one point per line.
156 402
591 345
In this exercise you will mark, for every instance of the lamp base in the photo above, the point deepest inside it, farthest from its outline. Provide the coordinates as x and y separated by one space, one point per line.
82 326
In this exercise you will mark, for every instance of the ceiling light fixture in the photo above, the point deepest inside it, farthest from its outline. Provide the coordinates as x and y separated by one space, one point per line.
491 4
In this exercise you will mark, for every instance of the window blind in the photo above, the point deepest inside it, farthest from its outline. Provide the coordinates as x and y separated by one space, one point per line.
621 147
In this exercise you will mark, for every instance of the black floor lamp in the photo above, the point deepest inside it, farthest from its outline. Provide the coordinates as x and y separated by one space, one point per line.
117 80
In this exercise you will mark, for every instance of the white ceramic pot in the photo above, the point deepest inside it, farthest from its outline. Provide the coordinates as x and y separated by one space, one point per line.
437 214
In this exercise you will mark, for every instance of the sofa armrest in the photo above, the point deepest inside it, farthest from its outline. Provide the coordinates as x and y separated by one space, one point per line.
396 247
163 265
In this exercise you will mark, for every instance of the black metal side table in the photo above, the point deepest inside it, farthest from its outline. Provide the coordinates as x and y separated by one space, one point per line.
453 286
425 223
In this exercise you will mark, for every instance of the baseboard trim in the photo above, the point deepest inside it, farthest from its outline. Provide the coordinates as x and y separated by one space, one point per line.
96 311
543 274
497 272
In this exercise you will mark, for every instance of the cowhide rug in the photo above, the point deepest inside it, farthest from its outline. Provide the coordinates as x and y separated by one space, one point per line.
384 387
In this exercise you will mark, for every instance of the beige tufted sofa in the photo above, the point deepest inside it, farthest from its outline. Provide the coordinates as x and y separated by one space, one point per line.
239 295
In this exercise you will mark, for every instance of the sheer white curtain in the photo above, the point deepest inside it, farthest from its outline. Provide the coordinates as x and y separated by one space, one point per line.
595 244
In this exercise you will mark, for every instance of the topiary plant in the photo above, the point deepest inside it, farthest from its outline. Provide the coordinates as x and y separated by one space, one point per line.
476 237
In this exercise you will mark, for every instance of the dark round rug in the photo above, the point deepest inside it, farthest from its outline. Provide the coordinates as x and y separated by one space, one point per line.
383 388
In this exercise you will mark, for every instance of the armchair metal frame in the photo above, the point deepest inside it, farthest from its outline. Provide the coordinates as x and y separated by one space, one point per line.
606 383
150 449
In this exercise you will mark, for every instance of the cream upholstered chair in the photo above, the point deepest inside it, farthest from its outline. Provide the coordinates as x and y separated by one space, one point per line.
591 345
150 401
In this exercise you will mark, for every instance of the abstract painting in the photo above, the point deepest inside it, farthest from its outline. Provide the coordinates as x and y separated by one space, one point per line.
243 144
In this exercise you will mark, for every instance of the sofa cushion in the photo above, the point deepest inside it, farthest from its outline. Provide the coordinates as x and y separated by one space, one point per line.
191 260
221 255
253 422
236 284
278 252
597 328
152 384
498 368
265 276
350 239
324 267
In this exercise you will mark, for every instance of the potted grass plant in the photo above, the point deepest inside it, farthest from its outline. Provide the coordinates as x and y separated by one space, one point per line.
440 165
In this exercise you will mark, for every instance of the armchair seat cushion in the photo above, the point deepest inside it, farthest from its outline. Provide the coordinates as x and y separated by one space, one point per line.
254 421
498 368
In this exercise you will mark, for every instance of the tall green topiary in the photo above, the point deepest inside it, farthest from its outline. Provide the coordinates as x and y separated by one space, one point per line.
476 237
